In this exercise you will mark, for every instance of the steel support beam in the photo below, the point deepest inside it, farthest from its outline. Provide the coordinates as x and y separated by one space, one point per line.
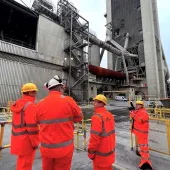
118 46
116 64
101 54
94 40
71 36
123 58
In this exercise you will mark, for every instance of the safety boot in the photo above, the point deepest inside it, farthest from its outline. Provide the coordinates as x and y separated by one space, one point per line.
146 166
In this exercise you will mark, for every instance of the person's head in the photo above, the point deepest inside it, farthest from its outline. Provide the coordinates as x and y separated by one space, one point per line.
55 84
139 105
100 101
29 89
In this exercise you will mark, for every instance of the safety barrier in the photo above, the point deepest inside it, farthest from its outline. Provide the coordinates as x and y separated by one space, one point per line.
81 130
2 128
159 136
5 112
161 113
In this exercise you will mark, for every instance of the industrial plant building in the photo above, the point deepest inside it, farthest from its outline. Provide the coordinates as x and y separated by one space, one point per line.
134 25
38 43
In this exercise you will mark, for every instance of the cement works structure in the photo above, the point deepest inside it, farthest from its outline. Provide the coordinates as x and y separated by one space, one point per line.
134 25
47 43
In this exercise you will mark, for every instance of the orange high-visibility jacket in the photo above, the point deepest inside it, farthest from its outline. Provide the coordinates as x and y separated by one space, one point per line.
56 115
141 130
101 148
24 137
141 122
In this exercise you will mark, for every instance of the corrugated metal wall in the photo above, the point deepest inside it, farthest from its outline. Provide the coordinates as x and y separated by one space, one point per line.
15 71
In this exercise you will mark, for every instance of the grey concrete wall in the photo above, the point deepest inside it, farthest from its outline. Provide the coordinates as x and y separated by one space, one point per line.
92 90
94 54
159 52
150 48
50 40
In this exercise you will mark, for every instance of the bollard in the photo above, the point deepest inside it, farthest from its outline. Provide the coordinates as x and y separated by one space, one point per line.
131 135
84 133
168 134
77 136
160 113
1 139
131 140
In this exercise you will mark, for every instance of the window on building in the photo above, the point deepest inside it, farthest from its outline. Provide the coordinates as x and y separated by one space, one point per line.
18 25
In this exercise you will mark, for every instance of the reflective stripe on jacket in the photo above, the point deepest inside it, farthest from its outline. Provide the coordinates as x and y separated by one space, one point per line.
56 115
141 122
24 135
101 146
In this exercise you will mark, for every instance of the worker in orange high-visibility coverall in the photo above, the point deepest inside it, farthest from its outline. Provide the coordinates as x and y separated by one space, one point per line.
101 148
56 116
140 128
24 138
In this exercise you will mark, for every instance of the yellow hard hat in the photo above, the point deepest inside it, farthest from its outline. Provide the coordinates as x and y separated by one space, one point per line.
101 98
28 87
140 102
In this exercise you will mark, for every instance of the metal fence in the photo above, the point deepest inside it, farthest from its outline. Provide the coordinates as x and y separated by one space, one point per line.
160 113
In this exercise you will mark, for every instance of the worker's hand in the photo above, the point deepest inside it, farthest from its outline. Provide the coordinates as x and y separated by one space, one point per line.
35 147
132 111
131 108
91 156
132 114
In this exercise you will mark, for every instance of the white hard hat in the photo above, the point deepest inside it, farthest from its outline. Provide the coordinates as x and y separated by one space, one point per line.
54 82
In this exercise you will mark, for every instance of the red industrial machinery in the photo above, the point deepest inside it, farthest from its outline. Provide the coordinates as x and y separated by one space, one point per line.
103 72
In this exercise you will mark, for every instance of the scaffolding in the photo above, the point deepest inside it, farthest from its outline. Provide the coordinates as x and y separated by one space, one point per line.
45 7
75 47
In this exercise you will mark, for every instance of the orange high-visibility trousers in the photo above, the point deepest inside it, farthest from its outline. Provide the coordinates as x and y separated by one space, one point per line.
144 150
25 162
63 163
95 167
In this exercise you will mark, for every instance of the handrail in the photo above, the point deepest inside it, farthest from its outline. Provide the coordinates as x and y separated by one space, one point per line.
17 42
80 131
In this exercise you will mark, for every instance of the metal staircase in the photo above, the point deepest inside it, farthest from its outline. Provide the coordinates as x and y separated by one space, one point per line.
76 27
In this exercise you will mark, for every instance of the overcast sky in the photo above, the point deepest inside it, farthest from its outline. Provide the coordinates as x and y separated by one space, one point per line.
93 11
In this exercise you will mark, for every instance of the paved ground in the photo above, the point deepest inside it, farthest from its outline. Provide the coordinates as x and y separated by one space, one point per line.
124 156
